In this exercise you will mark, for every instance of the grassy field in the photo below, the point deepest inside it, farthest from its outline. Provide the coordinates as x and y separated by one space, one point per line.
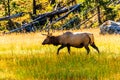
22 57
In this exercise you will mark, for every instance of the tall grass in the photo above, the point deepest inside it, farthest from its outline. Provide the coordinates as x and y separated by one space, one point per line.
22 57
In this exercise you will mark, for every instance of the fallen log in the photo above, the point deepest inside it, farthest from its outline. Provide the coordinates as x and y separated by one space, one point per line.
22 27
12 16
56 12
73 9
62 16
37 20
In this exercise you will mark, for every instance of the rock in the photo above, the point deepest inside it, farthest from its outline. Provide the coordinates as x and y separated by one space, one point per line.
110 27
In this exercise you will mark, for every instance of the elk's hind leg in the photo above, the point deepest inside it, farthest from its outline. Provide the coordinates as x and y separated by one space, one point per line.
95 47
62 46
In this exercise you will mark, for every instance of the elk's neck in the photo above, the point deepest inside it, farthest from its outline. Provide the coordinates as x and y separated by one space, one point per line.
55 40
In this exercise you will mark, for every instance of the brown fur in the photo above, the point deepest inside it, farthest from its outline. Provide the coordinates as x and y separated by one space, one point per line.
54 40
69 39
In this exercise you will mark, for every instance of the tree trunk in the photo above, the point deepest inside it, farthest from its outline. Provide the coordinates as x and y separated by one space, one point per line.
34 7
8 7
99 19
8 13
98 12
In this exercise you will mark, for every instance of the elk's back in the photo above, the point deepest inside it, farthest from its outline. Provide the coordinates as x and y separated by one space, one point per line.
75 39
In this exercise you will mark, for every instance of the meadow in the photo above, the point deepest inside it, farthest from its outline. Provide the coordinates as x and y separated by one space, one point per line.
23 57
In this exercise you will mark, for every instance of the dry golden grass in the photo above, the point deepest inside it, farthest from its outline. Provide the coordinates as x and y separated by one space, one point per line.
22 56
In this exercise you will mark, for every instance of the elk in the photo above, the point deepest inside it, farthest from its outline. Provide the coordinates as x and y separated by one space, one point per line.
69 39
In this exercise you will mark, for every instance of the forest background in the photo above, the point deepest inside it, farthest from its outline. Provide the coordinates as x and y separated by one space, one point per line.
105 9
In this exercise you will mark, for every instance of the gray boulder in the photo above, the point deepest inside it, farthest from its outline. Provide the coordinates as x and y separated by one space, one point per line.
110 27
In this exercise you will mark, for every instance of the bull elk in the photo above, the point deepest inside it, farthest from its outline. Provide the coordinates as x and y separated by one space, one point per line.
69 39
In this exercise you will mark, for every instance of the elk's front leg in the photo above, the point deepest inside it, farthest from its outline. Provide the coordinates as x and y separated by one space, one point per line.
68 47
62 46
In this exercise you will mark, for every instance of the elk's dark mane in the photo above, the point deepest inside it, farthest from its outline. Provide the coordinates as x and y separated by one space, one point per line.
54 40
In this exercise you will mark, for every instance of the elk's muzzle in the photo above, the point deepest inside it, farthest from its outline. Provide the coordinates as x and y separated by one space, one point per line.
43 43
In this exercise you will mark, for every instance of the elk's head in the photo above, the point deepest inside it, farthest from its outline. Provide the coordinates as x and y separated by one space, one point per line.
47 40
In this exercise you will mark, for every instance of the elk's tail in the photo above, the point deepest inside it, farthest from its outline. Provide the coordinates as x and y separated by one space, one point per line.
91 37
